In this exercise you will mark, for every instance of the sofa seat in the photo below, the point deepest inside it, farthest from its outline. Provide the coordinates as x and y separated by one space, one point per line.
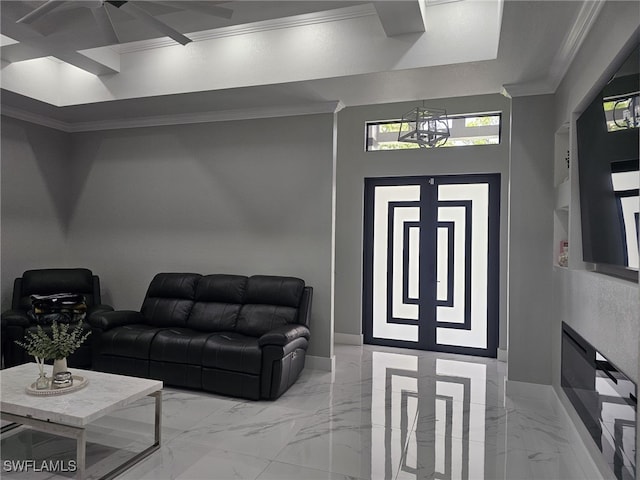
179 345
226 351
132 341
234 352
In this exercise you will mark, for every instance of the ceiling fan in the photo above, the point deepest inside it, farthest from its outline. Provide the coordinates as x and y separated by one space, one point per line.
100 10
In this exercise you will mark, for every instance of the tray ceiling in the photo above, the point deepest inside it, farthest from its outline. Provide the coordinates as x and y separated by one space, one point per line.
283 54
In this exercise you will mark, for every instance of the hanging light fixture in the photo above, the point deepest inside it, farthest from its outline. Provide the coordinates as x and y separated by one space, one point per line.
428 127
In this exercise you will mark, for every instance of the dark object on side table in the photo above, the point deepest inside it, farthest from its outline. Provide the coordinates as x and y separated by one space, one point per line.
46 282
59 307
229 334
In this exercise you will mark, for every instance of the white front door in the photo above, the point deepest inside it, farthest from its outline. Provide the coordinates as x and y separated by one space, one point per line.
431 263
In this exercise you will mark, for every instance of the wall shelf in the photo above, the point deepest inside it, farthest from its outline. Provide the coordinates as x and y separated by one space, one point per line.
562 183
563 195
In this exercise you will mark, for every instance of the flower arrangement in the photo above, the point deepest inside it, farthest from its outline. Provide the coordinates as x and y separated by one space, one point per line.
63 341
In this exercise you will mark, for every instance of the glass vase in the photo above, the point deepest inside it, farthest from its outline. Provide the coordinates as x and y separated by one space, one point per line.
43 382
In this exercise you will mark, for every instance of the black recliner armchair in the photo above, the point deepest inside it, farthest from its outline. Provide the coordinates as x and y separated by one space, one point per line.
17 321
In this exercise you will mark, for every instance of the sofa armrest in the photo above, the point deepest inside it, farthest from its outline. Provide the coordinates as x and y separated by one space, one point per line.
108 320
304 310
17 318
284 334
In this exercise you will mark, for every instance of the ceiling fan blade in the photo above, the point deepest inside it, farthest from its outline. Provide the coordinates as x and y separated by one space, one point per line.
103 19
206 8
139 13
40 11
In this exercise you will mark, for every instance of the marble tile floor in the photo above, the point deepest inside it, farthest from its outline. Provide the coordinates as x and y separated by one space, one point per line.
383 414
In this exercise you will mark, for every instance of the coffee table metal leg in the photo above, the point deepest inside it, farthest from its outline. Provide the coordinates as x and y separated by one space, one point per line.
147 451
158 417
81 453
68 431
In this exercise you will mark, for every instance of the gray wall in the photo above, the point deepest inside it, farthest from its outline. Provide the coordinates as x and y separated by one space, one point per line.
531 239
354 165
604 310
245 197
35 200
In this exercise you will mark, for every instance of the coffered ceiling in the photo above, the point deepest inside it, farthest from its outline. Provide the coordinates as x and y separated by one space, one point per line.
73 26
248 57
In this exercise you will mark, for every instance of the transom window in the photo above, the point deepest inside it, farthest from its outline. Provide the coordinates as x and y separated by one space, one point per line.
622 112
466 130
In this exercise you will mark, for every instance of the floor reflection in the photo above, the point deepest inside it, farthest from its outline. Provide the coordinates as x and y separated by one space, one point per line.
382 414
451 439
447 417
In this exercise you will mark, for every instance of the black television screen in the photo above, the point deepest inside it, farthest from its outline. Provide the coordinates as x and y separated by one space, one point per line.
608 143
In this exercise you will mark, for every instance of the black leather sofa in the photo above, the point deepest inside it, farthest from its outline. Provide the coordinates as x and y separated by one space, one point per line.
228 334
16 322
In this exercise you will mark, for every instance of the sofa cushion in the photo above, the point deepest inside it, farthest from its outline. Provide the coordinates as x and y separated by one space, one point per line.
232 351
132 341
213 317
218 299
221 289
272 290
169 299
178 345
174 285
256 320
56 280
166 312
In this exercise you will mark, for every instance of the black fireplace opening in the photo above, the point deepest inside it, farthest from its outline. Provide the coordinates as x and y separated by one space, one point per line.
604 398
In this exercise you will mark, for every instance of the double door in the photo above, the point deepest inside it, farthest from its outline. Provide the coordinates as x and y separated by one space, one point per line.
431 263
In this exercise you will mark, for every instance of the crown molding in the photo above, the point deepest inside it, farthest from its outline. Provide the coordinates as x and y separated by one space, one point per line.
177 119
315 18
567 52
35 118
564 57
542 87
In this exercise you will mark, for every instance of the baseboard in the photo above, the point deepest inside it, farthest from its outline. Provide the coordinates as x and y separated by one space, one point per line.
503 354
534 391
347 339
328 364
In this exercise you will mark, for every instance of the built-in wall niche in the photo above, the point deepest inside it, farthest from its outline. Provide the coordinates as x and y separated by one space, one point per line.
562 184
604 398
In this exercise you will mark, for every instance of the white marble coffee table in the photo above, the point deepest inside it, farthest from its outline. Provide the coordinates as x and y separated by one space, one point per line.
68 415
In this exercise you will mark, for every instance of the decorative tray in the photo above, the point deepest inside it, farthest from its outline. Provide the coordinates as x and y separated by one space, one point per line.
79 382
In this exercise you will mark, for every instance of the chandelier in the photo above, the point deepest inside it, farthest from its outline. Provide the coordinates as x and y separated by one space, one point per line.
428 127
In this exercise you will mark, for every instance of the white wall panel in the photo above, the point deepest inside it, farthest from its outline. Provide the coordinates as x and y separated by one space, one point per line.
476 337
384 195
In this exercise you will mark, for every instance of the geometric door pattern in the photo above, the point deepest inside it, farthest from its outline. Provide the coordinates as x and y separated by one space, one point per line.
431 263
450 439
